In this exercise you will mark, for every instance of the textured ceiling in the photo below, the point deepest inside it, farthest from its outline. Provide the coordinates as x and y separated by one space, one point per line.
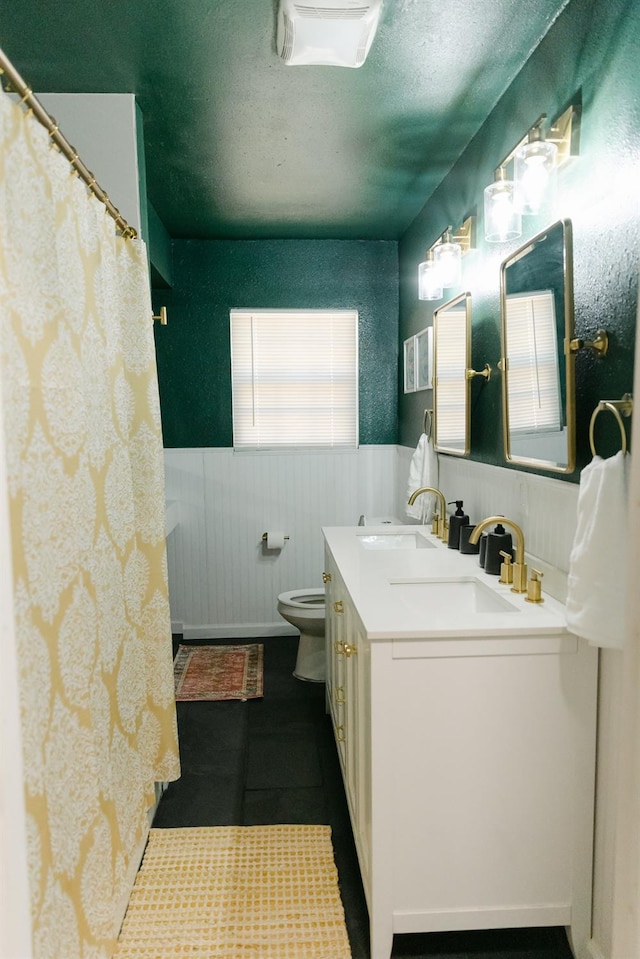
239 145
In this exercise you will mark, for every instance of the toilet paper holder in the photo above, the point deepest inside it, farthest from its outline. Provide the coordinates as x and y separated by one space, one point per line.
265 535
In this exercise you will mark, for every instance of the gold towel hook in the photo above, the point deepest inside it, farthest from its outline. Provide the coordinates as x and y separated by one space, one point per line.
427 423
617 407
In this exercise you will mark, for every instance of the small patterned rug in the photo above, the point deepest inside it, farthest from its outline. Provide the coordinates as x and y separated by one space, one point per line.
224 892
218 672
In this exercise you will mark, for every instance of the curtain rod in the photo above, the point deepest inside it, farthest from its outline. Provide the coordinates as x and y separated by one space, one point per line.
28 98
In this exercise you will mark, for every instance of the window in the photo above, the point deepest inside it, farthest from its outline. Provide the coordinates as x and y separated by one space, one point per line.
294 376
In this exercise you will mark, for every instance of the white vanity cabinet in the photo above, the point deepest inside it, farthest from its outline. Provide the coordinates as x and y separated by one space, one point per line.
468 764
348 702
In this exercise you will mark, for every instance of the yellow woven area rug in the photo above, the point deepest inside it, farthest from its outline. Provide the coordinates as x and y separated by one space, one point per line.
230 892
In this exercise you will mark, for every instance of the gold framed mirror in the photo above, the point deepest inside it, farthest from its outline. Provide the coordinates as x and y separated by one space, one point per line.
538 382
451 387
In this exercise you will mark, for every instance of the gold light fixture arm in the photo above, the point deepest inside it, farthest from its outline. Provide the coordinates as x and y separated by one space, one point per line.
485 371
600 344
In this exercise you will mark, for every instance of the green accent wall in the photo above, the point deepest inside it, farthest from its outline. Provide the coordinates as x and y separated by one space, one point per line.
159 250
211 277
590 55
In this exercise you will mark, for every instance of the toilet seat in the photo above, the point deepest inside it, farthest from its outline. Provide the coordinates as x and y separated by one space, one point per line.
312 598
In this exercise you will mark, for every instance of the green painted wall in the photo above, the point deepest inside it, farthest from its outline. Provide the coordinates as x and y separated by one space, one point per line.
210 277
591 53
160 252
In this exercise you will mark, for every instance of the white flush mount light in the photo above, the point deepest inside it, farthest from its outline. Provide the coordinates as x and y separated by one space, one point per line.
335 33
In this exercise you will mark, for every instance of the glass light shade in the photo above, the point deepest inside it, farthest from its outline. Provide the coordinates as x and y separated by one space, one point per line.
535 176
501 219
429 282
448 257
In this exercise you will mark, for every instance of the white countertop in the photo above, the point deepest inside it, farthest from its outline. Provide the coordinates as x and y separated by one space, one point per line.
373 577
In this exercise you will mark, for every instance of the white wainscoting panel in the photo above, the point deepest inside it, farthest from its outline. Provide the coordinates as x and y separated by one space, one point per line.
222 580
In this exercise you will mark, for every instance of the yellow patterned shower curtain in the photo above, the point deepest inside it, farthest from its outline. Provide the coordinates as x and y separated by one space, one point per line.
83 446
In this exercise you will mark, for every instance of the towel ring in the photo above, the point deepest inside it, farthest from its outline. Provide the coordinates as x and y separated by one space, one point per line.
613 406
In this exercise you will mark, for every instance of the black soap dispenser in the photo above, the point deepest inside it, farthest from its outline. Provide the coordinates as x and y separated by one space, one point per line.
458 519
497 541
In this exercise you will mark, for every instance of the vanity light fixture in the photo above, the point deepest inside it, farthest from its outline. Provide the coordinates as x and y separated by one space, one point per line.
429 282
535 172
535 161
442 267
502 221
448 256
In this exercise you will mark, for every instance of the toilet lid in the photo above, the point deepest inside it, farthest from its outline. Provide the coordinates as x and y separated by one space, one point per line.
304 598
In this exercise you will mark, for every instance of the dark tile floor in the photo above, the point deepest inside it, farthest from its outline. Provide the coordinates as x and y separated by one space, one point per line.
273 760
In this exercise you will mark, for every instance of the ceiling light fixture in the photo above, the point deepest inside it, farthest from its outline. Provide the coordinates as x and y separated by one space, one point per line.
336 33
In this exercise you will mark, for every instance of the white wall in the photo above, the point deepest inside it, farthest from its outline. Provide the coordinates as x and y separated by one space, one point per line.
222 581
102 129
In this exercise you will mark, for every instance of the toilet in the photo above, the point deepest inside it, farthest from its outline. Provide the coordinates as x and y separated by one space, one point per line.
304 609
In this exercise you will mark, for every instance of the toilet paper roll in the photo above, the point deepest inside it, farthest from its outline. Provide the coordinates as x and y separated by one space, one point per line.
275 539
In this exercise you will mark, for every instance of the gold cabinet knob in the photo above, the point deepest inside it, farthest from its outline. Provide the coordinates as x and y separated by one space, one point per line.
338 606
326 577
338 695
350 650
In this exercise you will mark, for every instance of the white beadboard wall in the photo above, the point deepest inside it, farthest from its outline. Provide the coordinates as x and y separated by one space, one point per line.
222 581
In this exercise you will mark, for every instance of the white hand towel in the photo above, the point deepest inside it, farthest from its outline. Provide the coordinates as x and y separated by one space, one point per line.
598 562
422 472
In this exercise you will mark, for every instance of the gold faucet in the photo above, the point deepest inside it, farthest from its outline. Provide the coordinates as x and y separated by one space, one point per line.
439 522
519 566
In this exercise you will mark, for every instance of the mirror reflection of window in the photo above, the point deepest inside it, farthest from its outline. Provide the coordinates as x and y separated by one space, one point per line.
451 382
538 385
534 377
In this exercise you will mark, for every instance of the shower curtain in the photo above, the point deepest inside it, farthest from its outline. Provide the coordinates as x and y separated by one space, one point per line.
85 494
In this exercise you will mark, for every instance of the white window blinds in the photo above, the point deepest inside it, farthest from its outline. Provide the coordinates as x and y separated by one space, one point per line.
294 378
533 376
451 351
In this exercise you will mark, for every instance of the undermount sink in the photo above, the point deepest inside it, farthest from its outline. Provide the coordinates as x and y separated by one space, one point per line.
408 540
464 595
